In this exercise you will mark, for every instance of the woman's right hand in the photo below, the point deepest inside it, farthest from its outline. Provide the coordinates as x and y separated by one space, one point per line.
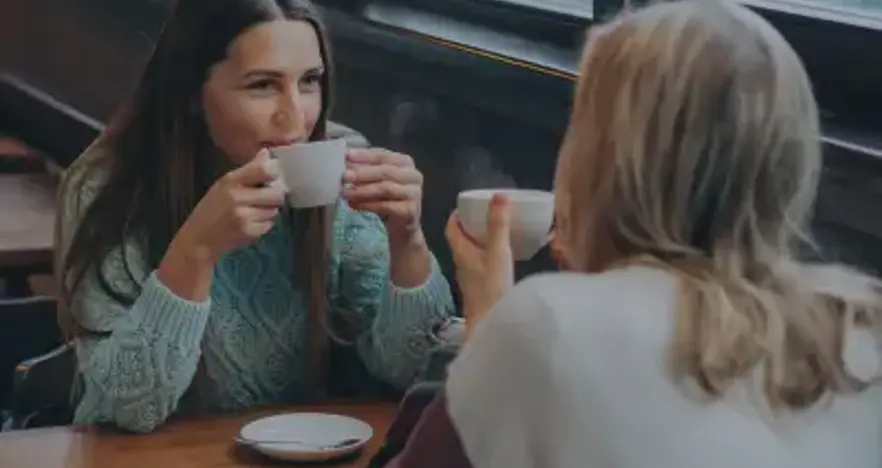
484 271
238 208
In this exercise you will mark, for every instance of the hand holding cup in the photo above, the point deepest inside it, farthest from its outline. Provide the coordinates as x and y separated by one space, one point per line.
239 207
489 230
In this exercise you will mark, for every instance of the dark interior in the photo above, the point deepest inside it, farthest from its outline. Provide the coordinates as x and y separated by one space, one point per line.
480 100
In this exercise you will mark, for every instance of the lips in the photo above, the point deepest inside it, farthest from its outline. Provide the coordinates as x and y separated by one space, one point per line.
278 143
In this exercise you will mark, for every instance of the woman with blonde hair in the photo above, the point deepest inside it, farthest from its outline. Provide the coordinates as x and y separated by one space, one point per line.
687 332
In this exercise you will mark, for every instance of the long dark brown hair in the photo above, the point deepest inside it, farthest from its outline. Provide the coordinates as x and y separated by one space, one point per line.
163 161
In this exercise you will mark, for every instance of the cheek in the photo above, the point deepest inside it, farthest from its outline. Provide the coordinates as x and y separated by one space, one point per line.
311 105
235 126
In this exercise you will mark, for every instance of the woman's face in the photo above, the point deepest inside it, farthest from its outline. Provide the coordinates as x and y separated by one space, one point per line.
267 91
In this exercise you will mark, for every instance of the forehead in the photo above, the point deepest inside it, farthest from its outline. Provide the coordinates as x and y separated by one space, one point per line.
292 46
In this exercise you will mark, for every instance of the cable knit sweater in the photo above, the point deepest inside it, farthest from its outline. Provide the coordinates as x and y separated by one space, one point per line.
249 333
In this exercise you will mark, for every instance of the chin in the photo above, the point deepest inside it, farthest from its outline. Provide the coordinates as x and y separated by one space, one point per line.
243 158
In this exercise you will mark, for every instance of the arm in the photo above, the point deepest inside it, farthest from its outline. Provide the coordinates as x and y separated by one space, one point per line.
397 322
136 361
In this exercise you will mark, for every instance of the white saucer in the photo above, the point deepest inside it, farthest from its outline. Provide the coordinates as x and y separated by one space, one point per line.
316 432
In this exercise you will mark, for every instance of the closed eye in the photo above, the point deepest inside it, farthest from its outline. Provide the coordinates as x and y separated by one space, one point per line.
312 78
264 84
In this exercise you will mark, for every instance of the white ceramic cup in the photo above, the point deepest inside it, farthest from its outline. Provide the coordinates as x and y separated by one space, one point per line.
532 213
312 173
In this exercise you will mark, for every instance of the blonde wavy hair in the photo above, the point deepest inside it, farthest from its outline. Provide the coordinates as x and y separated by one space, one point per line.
694 146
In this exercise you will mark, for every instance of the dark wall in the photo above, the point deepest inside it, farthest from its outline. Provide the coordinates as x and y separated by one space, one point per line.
468 120
86 53
84 57
455 145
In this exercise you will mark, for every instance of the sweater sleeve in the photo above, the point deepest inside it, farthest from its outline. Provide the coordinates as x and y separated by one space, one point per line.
397 323
135 361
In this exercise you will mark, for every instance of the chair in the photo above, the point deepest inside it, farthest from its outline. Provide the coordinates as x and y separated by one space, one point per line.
41 390
29 386
28 328
415 401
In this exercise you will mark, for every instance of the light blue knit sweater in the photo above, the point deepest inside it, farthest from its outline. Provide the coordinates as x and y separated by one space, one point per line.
250 333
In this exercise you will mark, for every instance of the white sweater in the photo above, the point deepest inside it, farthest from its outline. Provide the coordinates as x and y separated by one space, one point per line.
569 371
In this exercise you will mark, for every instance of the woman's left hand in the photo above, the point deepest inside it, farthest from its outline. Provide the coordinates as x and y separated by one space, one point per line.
388 184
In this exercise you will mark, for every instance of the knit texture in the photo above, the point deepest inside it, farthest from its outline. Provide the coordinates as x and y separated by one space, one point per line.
250 333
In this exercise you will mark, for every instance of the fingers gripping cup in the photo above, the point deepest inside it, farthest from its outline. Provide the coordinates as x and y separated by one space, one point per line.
532 212
312 173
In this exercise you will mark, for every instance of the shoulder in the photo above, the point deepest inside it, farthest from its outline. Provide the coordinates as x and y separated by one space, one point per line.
562 329
353 138
80 184
82 180
589 310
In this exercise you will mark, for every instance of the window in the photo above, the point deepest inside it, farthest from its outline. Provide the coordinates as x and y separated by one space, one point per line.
837 40
586 8
578 8
871 7
863 13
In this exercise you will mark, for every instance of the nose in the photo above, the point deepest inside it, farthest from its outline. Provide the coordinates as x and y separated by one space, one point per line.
288 119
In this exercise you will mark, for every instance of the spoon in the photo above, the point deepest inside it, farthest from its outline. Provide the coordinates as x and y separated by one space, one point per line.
337 445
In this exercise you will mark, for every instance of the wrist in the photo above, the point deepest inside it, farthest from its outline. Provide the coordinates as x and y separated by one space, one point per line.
187 268
409 259
188 248
473 317
406 239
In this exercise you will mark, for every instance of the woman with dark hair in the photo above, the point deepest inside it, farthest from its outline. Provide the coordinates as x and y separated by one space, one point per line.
183 272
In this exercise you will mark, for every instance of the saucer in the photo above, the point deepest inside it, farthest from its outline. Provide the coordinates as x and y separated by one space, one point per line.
306 437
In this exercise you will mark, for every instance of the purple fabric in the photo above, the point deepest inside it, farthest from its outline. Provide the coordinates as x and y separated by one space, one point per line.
434 442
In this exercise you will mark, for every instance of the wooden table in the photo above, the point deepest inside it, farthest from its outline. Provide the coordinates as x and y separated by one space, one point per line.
185 444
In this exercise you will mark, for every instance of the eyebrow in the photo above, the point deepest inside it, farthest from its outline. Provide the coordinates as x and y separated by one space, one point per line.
266 72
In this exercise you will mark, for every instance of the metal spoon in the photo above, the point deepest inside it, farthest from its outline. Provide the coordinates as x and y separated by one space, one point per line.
337 445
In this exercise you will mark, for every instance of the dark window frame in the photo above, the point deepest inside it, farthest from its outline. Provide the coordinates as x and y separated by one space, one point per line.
836 48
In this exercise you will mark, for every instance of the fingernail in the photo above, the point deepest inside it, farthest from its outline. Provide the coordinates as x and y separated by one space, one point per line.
348 176
499 199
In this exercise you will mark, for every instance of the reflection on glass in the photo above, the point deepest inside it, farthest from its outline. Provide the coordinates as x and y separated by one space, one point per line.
580 8
873 7
585 8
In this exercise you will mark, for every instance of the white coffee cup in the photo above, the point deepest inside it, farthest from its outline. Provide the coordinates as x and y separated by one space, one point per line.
532 213
312 173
